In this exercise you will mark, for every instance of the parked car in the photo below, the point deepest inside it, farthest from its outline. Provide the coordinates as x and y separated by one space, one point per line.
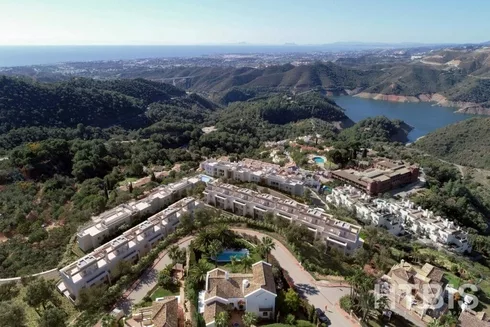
322 316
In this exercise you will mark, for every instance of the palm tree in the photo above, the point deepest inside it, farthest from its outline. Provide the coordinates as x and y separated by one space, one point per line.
173 252
366 304
200 270
234 260
383 303
355 280
215 248
249 319
267 246
247 262
221 319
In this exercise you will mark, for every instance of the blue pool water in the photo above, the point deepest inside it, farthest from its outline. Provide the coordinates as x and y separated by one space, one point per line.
318 160
226 255
205 179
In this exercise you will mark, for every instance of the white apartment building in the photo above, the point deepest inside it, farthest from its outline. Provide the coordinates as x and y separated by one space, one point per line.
98 266
254 171
245 202
400 216
107 223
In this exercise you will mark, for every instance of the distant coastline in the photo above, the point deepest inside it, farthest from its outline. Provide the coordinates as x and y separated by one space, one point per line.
12 56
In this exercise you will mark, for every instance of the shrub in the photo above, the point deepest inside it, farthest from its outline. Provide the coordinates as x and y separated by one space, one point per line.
290 319
345 303
304 323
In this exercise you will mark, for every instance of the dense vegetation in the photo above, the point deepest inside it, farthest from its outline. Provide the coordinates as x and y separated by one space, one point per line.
414 80
466 143
229 84
377 129
58 174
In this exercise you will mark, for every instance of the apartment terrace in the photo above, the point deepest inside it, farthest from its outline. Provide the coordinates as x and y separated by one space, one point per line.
107 222
249 170
96 267
402 215
247 202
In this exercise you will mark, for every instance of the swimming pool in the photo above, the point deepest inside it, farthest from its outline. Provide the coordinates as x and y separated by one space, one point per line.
205 178
226 255
318 160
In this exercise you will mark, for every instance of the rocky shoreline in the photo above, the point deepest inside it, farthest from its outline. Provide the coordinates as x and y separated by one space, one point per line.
436 98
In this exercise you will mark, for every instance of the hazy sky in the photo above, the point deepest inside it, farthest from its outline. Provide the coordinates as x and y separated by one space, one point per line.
62 22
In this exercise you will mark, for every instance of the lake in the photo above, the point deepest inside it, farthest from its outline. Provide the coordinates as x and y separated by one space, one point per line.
423 117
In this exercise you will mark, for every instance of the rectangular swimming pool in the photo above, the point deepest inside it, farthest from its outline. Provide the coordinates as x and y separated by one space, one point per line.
226 255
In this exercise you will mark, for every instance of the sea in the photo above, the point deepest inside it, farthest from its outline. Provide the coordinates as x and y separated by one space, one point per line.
422 116
11 56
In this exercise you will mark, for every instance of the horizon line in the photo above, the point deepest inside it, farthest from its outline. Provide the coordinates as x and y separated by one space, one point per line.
254 44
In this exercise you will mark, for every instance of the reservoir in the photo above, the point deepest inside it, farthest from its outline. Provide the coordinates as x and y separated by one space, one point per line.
422 116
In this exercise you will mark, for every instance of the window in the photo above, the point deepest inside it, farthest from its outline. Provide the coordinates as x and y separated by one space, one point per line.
265 314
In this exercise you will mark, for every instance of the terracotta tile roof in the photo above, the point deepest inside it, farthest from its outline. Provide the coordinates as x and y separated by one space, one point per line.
226 288
212 310
262 278
436 275
467 319
233 286
165 312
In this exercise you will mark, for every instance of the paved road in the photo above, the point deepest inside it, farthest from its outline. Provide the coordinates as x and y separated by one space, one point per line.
149 279
319 296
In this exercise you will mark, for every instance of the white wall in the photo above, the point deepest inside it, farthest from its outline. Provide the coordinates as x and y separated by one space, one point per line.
260 299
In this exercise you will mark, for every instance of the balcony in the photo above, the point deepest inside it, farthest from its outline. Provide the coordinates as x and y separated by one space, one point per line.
239 202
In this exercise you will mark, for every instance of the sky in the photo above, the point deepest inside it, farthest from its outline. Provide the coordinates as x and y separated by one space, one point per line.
179 22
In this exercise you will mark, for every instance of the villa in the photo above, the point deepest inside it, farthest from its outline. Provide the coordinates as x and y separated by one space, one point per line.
101 265
418 289
255 292
162 313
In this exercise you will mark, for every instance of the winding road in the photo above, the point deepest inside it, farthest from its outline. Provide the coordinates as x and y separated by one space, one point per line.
318 295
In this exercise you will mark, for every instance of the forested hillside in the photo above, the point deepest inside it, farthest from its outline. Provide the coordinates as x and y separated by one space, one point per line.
465 143
457 83
85 108
60 173
24 103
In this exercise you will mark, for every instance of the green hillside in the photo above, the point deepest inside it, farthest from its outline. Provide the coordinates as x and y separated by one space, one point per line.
32 111
465 80
465 143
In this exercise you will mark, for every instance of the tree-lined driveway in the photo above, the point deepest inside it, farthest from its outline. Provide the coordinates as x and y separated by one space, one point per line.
149 279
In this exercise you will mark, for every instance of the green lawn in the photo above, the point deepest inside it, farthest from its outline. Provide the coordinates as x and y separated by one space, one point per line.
452 279
161 292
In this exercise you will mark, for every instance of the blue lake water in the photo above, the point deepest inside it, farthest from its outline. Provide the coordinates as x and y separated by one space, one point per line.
423 117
